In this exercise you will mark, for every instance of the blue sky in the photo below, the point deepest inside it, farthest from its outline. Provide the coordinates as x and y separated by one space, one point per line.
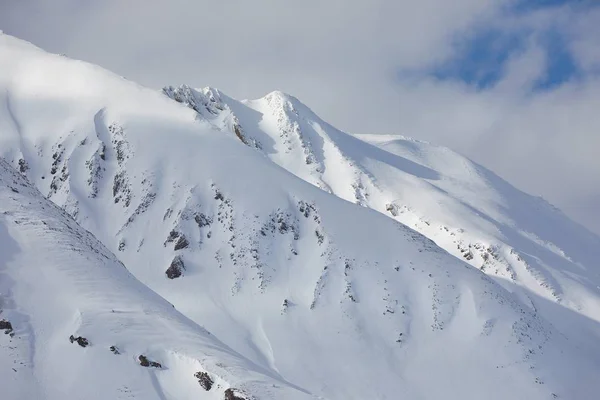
522 6
479 59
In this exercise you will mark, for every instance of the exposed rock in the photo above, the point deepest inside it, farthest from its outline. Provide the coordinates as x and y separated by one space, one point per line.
285 306
176 269
115 350
121 188
392 209
320 237
172 236
83 342
204 380
281 222
238 132
230 394
144 362
308 209
182 243
202 220
120 145
142 207
6 326
23 166
95 175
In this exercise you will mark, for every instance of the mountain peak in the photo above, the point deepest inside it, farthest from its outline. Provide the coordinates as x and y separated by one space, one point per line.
278 95
200 100
285 101
300 249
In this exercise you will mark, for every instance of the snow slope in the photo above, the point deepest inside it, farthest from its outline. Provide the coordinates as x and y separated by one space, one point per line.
526 244
58 280
316 294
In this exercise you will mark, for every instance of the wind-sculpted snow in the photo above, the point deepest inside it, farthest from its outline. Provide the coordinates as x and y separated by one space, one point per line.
522 241
83 327
308 292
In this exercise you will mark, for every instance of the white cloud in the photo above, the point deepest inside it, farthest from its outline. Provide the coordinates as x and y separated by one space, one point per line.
584 33
343 59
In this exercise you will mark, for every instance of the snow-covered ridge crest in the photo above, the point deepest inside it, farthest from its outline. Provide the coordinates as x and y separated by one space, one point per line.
464 208
324 296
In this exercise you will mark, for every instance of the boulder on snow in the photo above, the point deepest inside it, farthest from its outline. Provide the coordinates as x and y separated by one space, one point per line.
145 362
231 394
202 220
176 268
204 380
83 342
6 326
23 166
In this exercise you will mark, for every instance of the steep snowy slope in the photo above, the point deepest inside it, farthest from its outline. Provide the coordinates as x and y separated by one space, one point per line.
530 246
78 325
339 300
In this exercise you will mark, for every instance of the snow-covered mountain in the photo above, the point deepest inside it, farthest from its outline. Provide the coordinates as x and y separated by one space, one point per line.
79 326
236 213
527 244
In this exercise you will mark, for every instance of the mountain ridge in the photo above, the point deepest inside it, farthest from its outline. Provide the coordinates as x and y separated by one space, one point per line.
477 190
340 300
122 317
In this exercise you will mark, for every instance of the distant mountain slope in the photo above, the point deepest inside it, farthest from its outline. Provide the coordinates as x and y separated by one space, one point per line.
530 246
336 299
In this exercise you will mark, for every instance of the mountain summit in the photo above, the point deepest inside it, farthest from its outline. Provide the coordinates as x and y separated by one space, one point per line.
185 245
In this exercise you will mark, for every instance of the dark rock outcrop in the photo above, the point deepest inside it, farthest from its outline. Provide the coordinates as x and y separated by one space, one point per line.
176 268
182 243
145 362
202 220
6 326
204 380
230 394
172 236
180 240
23 166
83 342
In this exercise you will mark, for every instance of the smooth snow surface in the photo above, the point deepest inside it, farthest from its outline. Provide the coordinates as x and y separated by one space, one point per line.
240 214
58 280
